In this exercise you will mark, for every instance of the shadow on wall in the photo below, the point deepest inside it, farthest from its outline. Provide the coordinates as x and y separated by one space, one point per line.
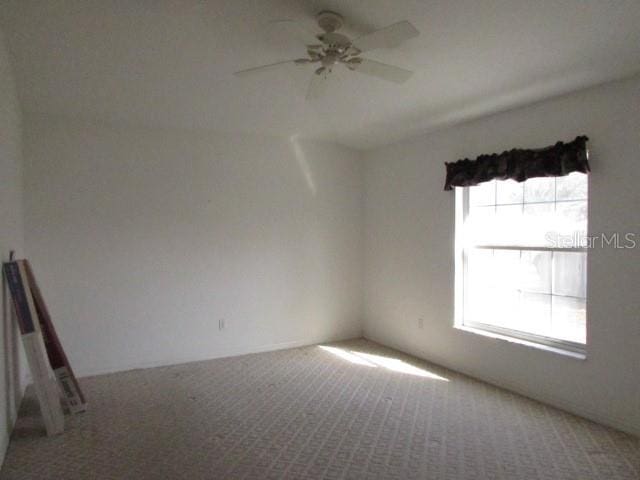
10 360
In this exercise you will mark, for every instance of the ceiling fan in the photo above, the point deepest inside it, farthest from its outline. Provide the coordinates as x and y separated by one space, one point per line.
337 49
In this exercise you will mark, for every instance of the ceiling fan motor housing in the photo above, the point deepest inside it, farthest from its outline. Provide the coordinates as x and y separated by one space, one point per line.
329 21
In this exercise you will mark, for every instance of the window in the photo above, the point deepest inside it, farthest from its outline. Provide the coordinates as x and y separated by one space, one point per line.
521 266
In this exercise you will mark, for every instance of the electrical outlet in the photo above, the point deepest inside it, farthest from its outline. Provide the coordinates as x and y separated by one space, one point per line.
222 324
421 323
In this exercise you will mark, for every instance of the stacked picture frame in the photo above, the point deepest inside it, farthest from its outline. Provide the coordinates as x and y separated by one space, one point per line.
54 381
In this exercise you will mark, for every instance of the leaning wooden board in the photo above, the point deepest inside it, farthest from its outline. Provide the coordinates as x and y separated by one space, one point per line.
59 363
44 381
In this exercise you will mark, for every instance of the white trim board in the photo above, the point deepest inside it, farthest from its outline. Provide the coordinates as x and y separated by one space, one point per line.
5 436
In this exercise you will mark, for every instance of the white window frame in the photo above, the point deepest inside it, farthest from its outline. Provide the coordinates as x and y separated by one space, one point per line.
461 288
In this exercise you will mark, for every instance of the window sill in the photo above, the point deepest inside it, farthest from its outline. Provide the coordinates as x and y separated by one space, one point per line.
526 343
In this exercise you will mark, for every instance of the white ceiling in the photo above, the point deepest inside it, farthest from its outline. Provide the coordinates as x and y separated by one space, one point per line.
169 63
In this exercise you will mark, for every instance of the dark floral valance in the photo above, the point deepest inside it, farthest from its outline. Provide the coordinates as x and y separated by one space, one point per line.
520 164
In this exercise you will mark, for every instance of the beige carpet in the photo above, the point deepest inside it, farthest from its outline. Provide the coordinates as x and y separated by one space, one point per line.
312 413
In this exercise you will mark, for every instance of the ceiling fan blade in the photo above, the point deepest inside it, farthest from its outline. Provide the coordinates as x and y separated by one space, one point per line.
317 86
293 29
387 37
262 68
380 70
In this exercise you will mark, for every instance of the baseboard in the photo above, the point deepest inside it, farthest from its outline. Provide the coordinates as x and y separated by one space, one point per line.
232 352
542 397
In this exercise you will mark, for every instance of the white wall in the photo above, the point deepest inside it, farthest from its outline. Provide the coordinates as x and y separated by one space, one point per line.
409 263
11 238
144 239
